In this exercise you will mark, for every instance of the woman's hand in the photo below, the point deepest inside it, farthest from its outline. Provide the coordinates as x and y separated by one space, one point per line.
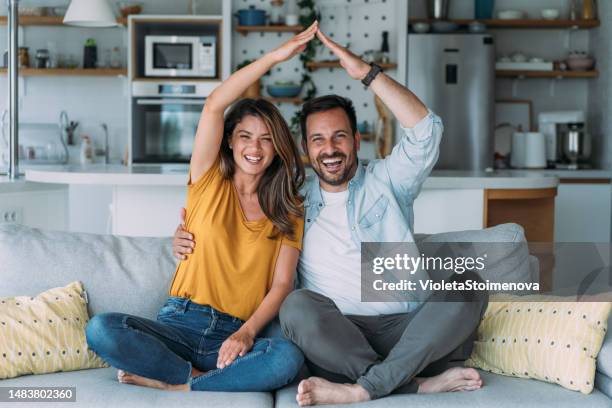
295 45
238 344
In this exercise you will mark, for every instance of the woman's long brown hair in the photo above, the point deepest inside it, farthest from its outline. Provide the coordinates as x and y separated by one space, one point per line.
278 189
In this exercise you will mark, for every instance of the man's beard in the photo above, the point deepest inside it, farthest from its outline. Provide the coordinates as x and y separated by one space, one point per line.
338 179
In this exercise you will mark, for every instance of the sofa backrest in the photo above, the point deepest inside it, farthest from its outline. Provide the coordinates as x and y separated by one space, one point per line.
121 274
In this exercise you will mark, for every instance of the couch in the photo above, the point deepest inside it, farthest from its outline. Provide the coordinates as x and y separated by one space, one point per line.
132 275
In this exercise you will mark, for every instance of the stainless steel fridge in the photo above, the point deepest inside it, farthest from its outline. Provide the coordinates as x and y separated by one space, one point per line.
454 75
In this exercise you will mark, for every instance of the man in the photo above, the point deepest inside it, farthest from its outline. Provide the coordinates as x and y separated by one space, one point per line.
365 350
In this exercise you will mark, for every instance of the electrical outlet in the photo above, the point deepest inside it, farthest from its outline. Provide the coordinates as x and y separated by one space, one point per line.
11 215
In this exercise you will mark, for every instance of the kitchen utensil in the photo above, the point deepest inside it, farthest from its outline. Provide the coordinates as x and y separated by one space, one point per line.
284 90
421 27
42 58
437 9
291 19
483 9
550 14
277 12
528 150
519 57
552 124
127 8
576 144
251 17
510 14
476 27
444 26
580 61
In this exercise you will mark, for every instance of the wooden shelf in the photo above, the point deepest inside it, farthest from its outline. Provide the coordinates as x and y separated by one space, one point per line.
546 74
336 64
244 30
69 72
296 100
47 21
525 23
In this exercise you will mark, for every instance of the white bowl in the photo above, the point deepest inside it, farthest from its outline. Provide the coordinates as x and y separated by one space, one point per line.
421 27
510 15
550 14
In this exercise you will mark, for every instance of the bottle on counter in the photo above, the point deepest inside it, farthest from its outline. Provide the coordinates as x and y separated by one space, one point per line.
90 54
86 150
588 9
384 49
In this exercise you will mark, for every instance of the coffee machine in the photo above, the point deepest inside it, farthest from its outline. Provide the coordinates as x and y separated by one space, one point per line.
568 145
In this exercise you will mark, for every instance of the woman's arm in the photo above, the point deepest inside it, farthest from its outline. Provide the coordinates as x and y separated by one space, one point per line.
239 343
210 127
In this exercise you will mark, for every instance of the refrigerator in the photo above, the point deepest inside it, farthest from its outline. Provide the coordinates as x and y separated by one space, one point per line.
454 75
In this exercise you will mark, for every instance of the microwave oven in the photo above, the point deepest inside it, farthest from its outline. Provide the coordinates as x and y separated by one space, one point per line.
180 56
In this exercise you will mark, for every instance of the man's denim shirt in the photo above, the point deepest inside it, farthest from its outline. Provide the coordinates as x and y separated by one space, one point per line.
381 195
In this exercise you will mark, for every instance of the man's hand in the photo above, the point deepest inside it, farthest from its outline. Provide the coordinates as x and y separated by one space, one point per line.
354 66
183 243
295 45
238 344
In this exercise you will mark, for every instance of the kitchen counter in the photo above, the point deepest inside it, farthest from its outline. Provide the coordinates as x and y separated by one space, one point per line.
176 175
22 185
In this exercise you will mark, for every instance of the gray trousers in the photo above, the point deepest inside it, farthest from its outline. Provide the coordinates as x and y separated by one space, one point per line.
381 353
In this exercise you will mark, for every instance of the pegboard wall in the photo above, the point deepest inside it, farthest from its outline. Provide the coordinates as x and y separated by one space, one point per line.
356 23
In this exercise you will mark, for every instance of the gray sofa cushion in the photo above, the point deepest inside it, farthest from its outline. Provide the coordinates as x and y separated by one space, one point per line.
122 274
498 391
505 263
99 388
603 383
604 359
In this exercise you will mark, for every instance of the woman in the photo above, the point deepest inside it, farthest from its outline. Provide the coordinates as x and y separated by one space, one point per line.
243 204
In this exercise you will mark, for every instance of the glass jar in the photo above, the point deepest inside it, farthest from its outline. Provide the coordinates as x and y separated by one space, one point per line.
24 58
277 12
116 58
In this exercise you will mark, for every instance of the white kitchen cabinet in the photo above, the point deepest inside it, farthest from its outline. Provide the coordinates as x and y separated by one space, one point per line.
444 210
45 208
583 213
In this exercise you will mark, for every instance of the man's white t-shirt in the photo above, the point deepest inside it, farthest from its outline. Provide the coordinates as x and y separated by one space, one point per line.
330 263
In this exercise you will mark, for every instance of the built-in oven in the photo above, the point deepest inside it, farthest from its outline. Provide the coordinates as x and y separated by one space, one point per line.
181 56
164 121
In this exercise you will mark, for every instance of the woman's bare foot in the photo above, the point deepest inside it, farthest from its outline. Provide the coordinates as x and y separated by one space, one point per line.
317 391
453 379
127 378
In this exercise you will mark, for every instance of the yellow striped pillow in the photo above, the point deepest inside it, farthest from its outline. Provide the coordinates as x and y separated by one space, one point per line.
537 337
45 333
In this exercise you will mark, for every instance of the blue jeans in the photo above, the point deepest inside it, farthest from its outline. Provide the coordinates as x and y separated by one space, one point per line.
188 335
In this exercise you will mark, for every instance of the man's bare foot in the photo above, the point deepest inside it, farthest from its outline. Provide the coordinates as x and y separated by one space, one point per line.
453 379
317 391
127 378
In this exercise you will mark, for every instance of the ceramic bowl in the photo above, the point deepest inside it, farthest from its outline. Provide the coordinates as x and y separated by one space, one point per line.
550 14
510 14
284 90
421 27
580 62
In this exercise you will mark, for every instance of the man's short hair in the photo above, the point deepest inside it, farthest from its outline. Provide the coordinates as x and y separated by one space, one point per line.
325 103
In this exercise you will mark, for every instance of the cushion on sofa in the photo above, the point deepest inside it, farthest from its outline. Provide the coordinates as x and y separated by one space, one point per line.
99 388
603 383
604 360
45 333
122 274
498 392
504 246
543 337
